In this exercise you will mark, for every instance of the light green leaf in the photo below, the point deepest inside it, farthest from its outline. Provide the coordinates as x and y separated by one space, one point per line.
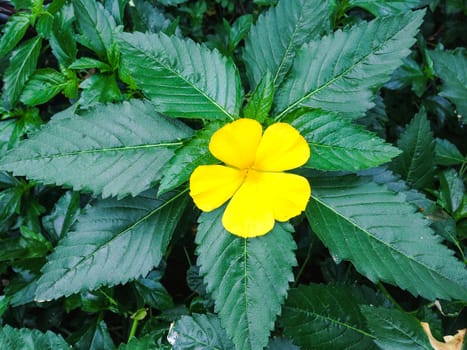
13 32
337 144
260 103
99 88
192 154
44 85
341 72
447 154
116 9
394 329
416 163
148 18
451 67
24 338
380 8
248 278
199 332
23 62
325 317
111 149
278 33
113 242
183 79
88 63
96 25
384 238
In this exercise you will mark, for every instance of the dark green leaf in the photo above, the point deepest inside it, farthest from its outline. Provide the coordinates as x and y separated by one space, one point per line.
325 317
192 154
260 103
111 149
381 8
451 190
198 332
416 163
13 32
384 238
95 337
183 79
116 9
113 242
62 39
149 18
394 329
409 74
337 144
144 343
27 245
447 154
340 72
281 344
13 338
43 86
96 25
63 215
248 278
23 63
153 292
277 35
99 88
451 67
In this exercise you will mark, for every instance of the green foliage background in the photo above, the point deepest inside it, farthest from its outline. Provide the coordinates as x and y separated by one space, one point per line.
107 108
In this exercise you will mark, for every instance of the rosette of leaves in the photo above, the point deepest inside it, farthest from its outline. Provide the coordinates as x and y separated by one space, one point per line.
149 103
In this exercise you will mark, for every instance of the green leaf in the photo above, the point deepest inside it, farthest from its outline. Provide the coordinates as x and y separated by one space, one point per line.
277 35
24 338
148 18
416 163
192 154
111 149
341 72
96 25
248 278
153 293
116 9
13 32
281 344
144 343
23 63
384 238
451 67
63 215
131 234
337 144
89 63
409 74
394 329
95 337
99 88
452 190
44 85
199 332
380 8
183 79
62 39
325 317
260 103
447 154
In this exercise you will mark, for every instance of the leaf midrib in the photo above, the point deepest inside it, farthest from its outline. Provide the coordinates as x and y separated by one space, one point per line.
369 234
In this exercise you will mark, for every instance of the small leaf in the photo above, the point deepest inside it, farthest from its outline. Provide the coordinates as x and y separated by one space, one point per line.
340 72
148 18
394 329
99 88
381 8
62 39
281 344
337 144
260 103
248 278
174 74
447 154
96 25
13 32
24 338
44 85
325 317
416 163
451 67
144 343
23 63
153 293
452 190
131 234
63 215
199 332
277 35
451 342
88 63
95 336
383 237
115 144
194 153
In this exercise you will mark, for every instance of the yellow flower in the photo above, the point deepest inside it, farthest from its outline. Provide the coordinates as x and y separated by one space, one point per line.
253 176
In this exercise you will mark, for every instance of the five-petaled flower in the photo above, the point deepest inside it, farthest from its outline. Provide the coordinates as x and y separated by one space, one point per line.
253 176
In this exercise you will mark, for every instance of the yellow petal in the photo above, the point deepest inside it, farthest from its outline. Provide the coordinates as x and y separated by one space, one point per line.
287 194
236 143
248 213
212 185
451 342
281 148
